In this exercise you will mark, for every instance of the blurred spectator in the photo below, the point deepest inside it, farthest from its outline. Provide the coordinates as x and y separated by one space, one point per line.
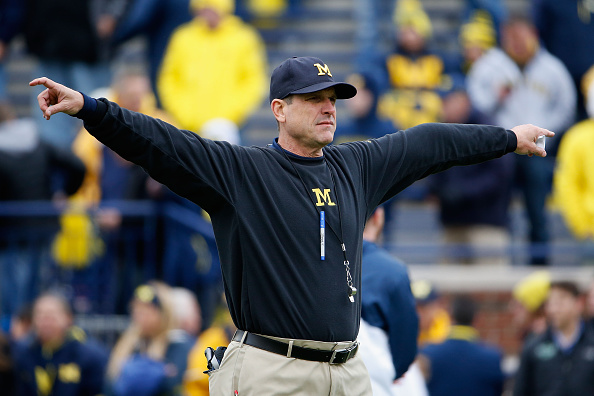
57 359
11 20
389 319
528 304
131 90
80 61
473 200
362 109
148 358
462 365
434 320
573 185
477 35
219 334
21 323
560 361
524 84
566 29
186 311
414 72
25 255
495 9
215 43
156 20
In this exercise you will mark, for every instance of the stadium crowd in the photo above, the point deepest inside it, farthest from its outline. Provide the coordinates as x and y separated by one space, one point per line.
84 232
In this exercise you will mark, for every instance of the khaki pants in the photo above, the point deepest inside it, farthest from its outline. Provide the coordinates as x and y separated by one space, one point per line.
249 371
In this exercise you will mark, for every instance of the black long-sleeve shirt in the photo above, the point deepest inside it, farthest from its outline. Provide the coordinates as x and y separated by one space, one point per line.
264 205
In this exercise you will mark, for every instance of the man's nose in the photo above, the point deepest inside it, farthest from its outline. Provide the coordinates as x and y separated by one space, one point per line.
328 107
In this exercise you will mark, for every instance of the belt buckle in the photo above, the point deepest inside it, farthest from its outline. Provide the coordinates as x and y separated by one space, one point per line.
345 354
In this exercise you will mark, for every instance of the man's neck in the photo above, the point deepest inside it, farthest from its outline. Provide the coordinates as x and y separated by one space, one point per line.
569 333
297 149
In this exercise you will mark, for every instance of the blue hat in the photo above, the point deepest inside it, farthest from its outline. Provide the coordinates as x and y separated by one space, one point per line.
304 75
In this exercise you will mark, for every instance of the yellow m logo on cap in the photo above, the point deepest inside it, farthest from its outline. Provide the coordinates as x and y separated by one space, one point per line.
323 70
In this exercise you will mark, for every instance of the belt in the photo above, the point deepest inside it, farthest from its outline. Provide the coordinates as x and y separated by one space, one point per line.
333 357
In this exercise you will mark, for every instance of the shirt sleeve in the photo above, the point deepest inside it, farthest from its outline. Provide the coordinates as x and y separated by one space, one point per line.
199 169
393 162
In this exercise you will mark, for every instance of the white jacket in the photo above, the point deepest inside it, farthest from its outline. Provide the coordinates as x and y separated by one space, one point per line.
542 93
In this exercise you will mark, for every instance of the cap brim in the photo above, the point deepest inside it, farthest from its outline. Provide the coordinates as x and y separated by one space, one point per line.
343 90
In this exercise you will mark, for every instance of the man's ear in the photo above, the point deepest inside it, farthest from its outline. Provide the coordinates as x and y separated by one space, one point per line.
278 109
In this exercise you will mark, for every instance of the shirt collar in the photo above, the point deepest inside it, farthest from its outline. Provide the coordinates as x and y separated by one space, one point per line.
466 333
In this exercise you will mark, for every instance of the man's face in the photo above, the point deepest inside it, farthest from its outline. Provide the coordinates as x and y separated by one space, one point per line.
211 16
310 119
132 91
520 42
563 308
50 320
148 318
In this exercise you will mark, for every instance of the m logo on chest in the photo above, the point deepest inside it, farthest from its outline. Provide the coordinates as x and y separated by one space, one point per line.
323 197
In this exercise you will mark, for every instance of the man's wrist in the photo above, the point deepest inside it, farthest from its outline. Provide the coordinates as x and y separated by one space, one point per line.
89 107
512 142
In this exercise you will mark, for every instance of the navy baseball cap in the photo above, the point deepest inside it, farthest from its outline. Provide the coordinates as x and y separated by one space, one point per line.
299 75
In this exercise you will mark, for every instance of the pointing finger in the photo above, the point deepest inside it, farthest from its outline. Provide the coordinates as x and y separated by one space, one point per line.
42 81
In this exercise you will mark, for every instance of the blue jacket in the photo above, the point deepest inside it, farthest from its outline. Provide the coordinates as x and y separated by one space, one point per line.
76 368
462 366
387 302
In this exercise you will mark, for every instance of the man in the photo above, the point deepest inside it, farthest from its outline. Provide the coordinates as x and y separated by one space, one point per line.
388 311
461 365
560 361
288 218
56 359
520 83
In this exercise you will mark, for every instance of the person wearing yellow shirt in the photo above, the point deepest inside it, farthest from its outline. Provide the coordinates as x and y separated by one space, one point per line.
214 67
573 184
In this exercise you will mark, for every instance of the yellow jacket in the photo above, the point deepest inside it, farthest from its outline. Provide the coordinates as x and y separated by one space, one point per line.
574 179
208 74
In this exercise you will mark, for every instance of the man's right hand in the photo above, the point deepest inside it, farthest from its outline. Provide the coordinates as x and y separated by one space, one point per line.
57 98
